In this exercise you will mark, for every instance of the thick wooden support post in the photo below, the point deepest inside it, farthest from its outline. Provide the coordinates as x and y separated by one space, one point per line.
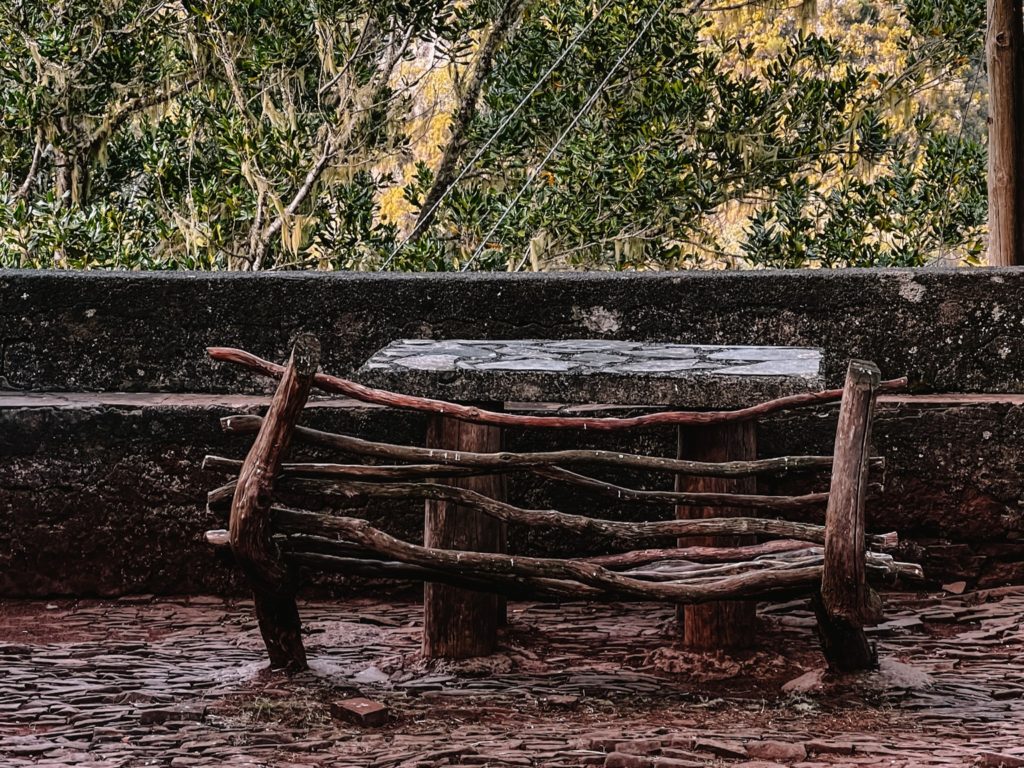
250 530
458 623
847 603
1004 54
719 625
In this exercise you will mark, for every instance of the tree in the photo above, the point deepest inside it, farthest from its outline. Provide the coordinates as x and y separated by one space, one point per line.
209 133
247 134
828 157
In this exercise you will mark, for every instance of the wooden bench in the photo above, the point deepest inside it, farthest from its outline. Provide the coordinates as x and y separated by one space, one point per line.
271 541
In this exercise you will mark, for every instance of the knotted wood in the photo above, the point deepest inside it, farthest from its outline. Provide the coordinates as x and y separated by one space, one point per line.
846 602
250 531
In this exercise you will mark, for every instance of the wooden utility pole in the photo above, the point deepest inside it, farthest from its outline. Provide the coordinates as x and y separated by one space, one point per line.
1004 51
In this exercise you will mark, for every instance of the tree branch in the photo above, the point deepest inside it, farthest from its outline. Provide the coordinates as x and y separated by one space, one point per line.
464 115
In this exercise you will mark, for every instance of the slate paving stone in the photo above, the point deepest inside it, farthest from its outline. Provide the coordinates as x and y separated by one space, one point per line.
593 370
83 699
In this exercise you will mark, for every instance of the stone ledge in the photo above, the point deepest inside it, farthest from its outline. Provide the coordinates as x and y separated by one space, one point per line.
950 330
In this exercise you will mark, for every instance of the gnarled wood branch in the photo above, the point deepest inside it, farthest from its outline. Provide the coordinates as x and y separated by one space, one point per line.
484 564
244 424
366 394
250 527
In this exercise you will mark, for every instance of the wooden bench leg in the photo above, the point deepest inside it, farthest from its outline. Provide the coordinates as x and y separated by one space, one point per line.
721 625
250 532
847 603
459 623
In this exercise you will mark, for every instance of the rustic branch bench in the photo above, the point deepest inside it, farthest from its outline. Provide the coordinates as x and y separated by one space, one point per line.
834 563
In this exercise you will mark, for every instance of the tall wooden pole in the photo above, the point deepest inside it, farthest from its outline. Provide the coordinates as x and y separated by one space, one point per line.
250 532
1004 51
846 603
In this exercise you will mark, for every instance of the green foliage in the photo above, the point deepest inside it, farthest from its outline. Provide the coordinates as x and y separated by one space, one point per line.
249 134
695 122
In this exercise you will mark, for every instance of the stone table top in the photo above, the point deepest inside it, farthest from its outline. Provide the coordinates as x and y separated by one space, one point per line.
593 371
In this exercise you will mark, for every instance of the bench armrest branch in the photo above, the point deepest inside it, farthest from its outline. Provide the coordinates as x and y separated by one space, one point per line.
250 531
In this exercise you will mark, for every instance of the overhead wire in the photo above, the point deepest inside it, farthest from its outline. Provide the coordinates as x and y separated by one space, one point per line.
591 100
497 131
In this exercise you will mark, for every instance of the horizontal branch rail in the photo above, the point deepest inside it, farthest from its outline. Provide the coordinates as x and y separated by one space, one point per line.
878 563
684 498
315 470
621 532
702 554
515 587
484 564
346 557
366 394
629 533
245 424
338 484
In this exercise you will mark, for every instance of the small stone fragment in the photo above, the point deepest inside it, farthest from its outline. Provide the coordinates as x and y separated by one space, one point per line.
776 750
361 711
999 760
622 760
676 762
820 747
638 746
721 748
158 715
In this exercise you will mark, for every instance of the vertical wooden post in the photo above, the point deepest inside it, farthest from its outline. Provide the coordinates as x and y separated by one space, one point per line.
250 531
1004 53
847 603
459 623
719 625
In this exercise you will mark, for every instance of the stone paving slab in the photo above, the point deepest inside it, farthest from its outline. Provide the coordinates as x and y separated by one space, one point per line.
182 683
593 371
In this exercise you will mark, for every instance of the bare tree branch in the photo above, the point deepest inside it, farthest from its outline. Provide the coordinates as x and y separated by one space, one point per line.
464 115
30 177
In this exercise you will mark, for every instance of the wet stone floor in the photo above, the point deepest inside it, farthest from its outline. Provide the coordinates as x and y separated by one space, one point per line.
181 682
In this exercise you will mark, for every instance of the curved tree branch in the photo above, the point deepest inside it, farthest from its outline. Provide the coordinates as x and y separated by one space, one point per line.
465 113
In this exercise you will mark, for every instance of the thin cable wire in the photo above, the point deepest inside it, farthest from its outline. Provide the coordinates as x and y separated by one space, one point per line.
497 131
568 129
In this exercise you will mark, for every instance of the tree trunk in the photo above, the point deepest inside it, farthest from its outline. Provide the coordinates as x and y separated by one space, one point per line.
458 623
725 625
1004 48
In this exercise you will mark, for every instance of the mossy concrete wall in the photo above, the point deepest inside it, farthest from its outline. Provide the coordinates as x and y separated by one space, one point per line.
951 330
101 491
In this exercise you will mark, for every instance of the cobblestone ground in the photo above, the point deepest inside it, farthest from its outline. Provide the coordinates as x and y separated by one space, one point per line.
181 683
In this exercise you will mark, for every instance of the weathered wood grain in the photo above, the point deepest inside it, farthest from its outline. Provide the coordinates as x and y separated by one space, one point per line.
846 602
250 531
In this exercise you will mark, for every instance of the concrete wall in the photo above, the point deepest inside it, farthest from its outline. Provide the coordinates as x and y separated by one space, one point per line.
101 492
953 331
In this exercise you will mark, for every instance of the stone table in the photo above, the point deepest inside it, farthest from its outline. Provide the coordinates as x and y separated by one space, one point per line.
489 373
593 371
